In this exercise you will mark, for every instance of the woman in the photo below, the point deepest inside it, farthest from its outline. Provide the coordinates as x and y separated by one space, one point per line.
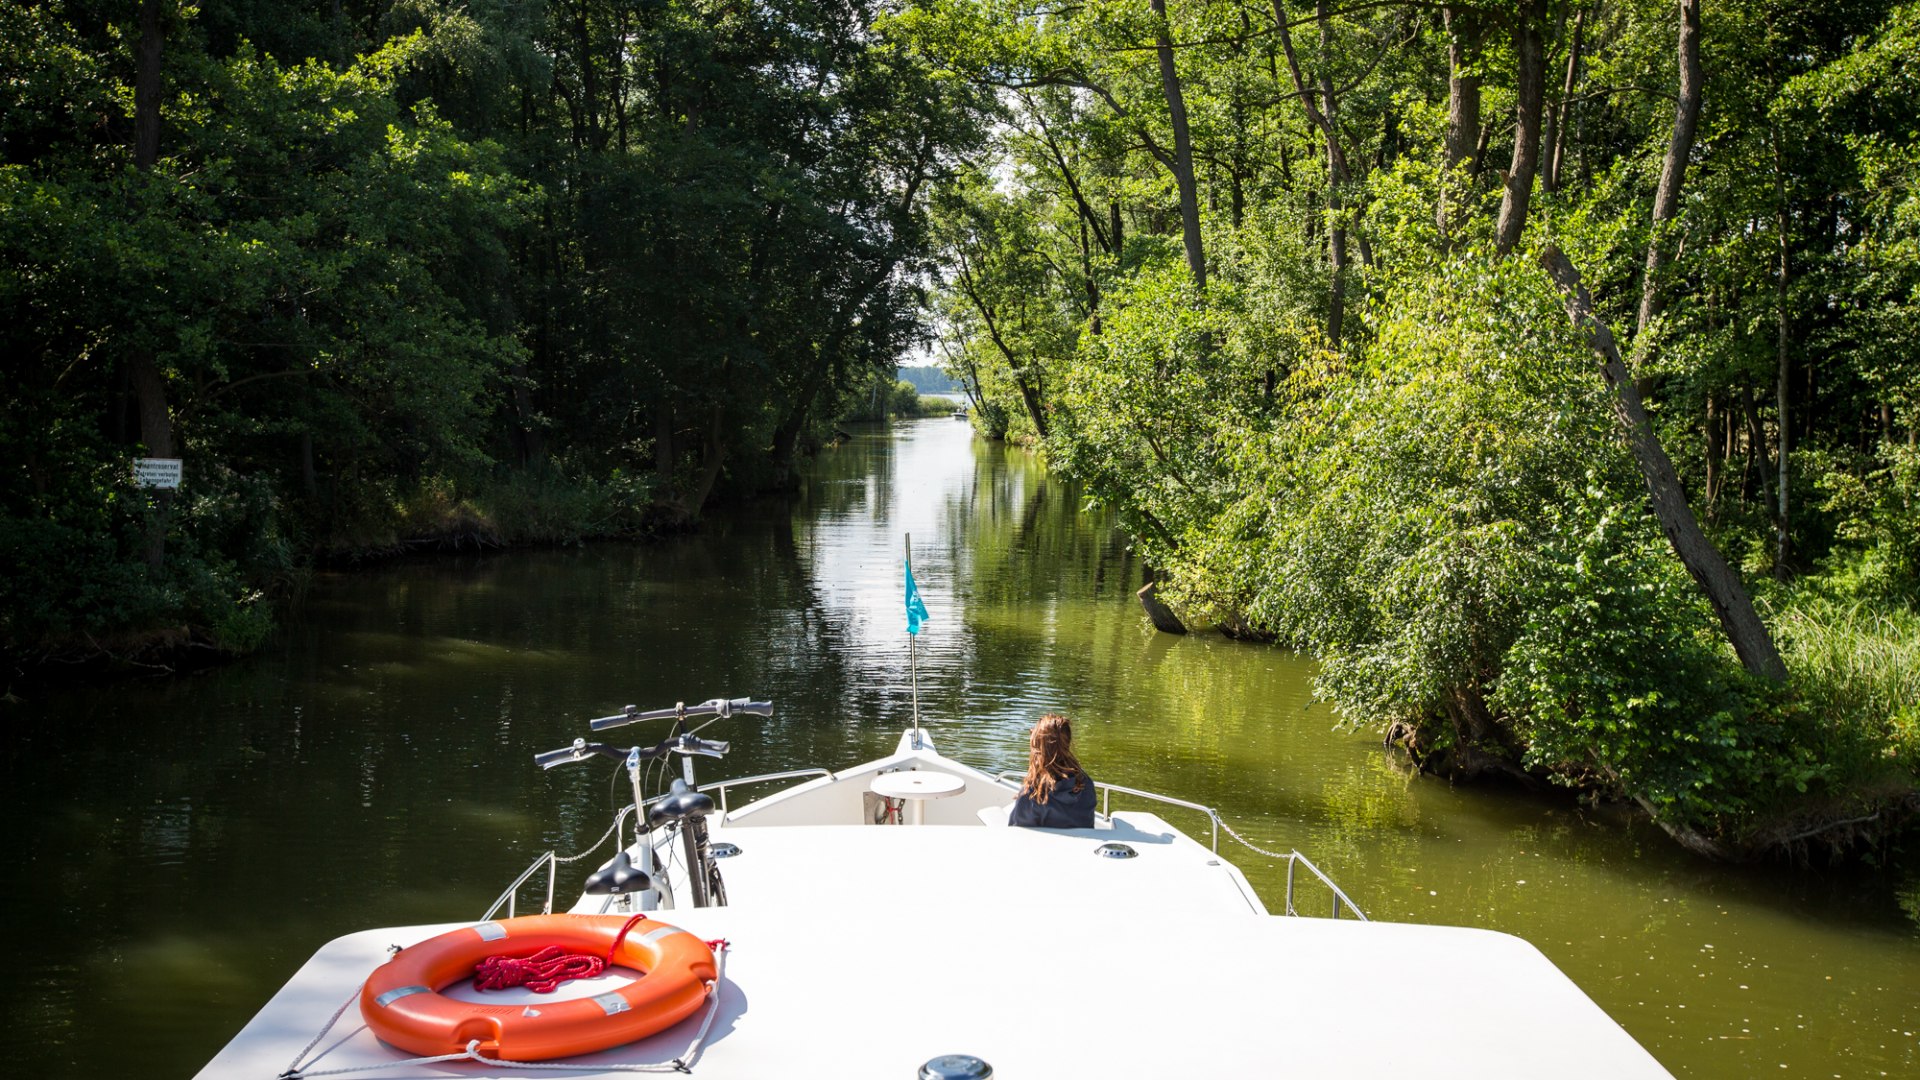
1057 794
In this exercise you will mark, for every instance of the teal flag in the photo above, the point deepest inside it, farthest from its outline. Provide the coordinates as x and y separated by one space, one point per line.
916 609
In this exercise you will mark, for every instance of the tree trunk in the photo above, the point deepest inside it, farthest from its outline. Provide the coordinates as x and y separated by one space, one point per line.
1463 89
664 451
713 454
149 385
1182 146
1529 48
1337 294
1463 107
1030 397
786 437
1159 614
1756 456
1336 193
1093 283
528 438
309 476
1557 141
1029 392
147 87
589 77
341 52
1337 171
1729 598
1782 338
1059 159
1715 438
1673 172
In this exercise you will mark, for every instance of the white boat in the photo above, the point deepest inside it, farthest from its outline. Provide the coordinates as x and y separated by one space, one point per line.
884 921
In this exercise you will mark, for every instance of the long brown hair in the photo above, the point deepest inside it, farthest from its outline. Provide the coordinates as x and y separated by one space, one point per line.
1050 759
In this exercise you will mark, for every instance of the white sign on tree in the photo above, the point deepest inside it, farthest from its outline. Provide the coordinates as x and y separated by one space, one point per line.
157 472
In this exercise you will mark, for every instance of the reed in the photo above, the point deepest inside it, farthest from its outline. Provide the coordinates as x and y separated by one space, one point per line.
1859 663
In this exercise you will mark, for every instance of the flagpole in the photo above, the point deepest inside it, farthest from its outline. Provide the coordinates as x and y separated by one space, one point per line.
913 670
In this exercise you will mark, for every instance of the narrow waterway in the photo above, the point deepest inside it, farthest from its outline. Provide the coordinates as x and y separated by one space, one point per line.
175 850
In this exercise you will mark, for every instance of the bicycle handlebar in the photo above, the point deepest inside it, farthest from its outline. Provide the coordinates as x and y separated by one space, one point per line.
721 707
693 744
581 750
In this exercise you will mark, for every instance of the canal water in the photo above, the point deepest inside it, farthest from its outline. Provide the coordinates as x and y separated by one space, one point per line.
174 850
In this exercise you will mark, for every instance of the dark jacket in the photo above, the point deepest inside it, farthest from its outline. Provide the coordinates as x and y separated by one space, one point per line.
1065 808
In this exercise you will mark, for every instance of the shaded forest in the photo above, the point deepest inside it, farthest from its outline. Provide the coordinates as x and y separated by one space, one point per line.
386 275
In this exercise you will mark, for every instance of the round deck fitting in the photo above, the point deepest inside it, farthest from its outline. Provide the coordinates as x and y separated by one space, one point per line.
956 1067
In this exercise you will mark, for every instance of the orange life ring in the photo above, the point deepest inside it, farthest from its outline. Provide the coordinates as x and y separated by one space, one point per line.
403 1004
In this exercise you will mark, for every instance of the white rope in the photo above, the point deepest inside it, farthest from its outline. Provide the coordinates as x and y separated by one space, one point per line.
713 1008
295 1074
498 1063
596 844
681 1064
293 1068
1256 847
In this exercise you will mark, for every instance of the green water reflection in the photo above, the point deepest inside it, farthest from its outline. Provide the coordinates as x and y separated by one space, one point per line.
178 849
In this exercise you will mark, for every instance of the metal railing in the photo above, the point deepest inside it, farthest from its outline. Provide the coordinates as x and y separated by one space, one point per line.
1293 858
1106 801
722 785
509 899
551 862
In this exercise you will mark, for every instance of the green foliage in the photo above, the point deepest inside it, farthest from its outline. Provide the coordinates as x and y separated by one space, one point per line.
1617 674
1858 666
76 578
1370 437
1146 405
1875 506
887 398
432 268
442 269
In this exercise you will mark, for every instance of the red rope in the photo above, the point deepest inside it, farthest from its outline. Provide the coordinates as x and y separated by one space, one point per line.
547 969
622 935
540 973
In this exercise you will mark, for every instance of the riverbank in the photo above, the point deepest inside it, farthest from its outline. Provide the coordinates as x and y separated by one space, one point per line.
85 608
385 733
1822 768
79 603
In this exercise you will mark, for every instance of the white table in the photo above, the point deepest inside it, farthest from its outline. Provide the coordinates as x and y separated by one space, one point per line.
918 787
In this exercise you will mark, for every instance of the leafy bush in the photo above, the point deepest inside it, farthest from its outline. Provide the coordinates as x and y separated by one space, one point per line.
1450 523
1619 674
77 577
1876 506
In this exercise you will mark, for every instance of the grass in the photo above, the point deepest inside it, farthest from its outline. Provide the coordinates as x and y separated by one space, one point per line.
1859 664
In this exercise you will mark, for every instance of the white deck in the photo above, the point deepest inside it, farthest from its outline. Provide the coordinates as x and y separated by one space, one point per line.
862 951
